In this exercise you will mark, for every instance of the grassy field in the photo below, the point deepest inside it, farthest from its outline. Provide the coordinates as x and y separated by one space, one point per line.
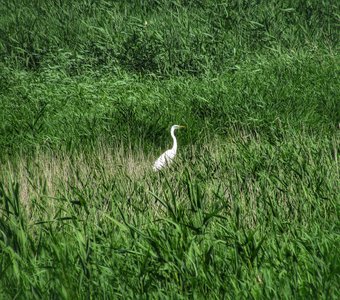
250 207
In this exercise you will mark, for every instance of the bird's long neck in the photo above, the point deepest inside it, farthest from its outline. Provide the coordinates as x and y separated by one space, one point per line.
174 147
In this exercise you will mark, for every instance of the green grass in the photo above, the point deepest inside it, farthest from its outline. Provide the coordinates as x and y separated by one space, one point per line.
249 209
242 218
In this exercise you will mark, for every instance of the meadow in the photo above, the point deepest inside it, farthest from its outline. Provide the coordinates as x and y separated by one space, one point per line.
250 207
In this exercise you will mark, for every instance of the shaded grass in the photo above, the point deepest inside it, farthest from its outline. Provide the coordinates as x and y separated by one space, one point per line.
165 38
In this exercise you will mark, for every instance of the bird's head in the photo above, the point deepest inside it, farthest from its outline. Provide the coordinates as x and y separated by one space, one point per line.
177 127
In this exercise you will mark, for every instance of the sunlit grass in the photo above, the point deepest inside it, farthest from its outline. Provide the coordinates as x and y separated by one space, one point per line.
242 208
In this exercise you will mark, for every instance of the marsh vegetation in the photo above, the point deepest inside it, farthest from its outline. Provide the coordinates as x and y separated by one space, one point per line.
249 209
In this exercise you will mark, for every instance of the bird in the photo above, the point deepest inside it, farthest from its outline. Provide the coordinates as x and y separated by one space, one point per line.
167 157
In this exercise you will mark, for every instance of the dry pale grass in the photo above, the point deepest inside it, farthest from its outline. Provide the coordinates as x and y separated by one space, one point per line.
245 172
102 173
46 172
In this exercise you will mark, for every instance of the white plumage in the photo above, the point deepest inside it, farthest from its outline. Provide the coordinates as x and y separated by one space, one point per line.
167 157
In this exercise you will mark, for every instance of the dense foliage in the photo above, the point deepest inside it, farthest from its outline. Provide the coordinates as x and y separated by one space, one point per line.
88 91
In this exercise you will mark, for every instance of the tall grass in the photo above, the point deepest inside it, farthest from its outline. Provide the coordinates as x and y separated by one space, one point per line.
249 209
242 218
51 109
163 38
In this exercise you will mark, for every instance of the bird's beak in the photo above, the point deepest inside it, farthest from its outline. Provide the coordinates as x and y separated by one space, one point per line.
181 126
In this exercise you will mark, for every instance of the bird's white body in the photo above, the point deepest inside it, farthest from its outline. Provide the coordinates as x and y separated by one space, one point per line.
167 157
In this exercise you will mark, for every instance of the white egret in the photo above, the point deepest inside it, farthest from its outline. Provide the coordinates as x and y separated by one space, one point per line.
167 157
